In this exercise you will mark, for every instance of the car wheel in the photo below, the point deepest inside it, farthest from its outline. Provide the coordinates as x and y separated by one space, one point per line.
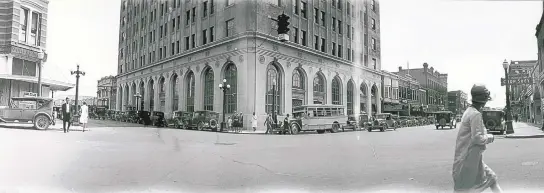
295 129
334 128
41 122
200 126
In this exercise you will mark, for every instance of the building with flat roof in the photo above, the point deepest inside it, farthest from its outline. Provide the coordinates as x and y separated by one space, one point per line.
519 93
175 54
22 36
435 84
457 101
106 92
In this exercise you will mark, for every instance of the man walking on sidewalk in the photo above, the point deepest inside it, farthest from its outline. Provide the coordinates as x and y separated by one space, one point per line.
66 115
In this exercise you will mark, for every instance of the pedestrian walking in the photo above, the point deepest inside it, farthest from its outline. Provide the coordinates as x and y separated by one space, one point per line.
254 122
84 118
286 126
229 123
66 115
470 173
268 123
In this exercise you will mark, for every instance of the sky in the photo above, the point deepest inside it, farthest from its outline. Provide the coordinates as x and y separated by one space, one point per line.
466 39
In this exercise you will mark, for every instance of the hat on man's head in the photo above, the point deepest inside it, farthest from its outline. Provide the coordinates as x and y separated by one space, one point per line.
480 93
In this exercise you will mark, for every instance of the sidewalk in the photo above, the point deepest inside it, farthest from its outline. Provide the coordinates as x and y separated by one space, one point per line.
57 126
526 130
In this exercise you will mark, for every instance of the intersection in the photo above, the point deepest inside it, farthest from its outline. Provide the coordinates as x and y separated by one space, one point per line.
135 159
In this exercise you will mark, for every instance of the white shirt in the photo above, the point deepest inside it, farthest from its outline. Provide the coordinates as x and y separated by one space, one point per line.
67 107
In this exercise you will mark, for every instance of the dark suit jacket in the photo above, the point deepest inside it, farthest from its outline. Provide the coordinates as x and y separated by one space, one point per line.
66 115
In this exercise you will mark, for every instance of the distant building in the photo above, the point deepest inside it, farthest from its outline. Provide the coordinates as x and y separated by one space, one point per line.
106 92
390 88
520 93
412 96
457 101
59 100
434 83
22 36
540 63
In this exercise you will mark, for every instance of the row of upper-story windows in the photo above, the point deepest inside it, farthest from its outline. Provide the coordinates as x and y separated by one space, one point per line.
207 35
30 27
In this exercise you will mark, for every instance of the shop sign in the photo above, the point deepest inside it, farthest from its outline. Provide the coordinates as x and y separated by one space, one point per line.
393 107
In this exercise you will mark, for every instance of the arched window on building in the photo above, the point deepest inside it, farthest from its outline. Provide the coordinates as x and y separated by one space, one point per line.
273 88
319 89
350 98
162 94
175 93
298 91
190 100
232 98
208 90
336 91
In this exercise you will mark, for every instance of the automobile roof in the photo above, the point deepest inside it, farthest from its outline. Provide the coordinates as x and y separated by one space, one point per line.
32 98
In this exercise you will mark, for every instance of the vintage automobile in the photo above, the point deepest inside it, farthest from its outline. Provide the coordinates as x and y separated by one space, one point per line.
158 119
493 120
319 118
144 117
458 118
31 110
100 112
351 123
380 122
396 118
445 119
181 119
364 122
430 119
405 121
204 120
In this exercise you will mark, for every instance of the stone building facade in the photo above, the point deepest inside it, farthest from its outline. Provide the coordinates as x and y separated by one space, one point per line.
390 93
540 62
457 101
412 96
175 54
106 92
520 94
22 35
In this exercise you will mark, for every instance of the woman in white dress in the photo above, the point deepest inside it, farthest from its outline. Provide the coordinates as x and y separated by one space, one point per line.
84 115
254 122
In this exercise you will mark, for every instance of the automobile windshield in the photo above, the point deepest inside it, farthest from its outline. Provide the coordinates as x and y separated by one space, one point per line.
493 114
382 116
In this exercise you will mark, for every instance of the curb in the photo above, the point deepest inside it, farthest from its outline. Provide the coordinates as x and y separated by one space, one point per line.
525 136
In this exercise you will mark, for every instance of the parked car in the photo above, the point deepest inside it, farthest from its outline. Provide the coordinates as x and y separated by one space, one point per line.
493 120
445 119
364 122
379 122
29 110
181 119
157 118
204 120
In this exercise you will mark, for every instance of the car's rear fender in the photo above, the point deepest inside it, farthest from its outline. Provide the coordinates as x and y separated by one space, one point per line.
43 113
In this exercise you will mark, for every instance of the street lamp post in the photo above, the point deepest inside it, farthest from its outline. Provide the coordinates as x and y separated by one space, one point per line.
225 87
509 127
138 96
77 73
41 56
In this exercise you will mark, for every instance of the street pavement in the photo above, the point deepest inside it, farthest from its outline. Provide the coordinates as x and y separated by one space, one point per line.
137 159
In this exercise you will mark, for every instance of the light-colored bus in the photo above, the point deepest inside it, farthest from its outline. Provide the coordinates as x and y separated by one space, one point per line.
319 118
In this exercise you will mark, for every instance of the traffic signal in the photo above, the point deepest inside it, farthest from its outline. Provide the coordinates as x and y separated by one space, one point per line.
283 24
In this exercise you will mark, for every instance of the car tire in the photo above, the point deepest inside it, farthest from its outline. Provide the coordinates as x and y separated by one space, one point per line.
41 122
295 129
200 126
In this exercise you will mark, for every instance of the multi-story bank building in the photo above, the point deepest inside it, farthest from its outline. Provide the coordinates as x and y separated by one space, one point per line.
22 36
175 53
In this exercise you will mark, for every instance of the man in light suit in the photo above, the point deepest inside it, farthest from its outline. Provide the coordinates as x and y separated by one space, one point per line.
66 115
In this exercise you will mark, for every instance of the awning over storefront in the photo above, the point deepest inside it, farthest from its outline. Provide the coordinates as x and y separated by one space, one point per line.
53 84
